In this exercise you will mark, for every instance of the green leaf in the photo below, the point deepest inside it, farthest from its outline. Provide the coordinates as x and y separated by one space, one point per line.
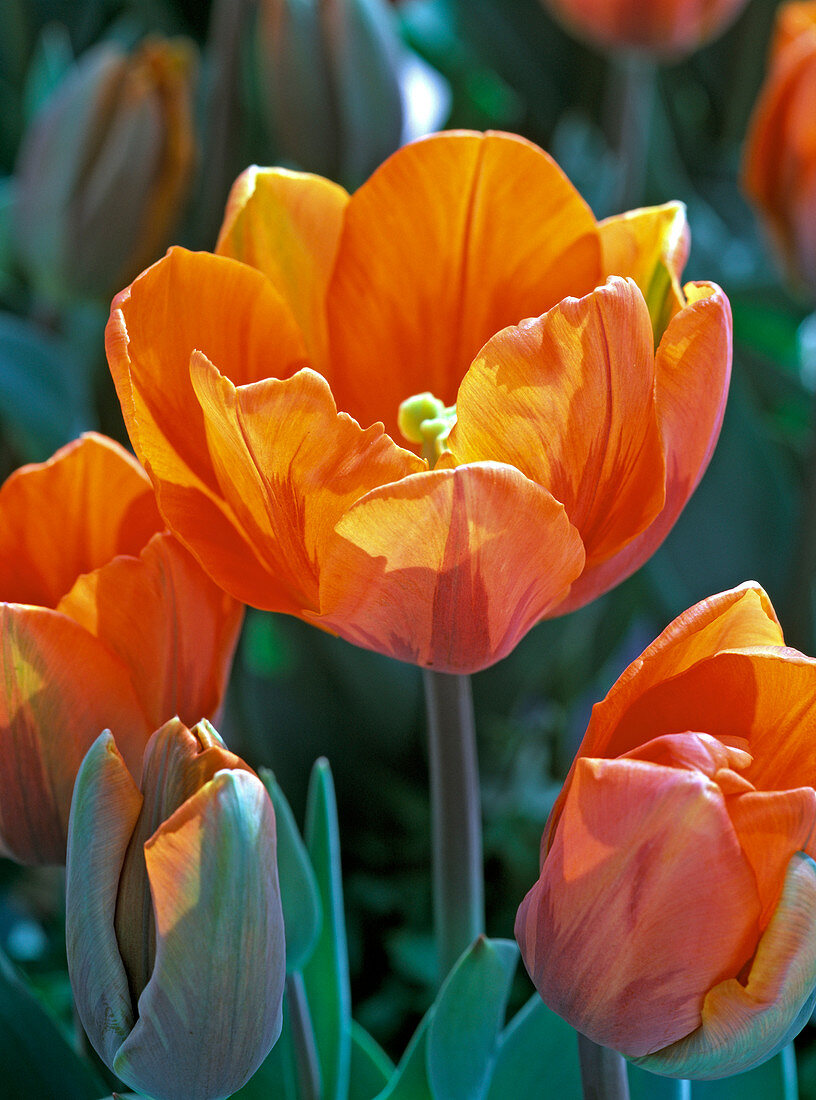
52 59
410 1078
537 1057
649 1086
371 1068
36 1059
464 1031
326 975
302 915
773 1080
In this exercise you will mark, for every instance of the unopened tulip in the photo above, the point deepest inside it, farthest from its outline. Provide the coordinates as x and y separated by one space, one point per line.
174 926
107 622
429 414
673 919
104 169
779 167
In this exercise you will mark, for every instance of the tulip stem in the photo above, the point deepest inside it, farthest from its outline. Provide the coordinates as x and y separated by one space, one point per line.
603 1071
307 1065
456 819
634 79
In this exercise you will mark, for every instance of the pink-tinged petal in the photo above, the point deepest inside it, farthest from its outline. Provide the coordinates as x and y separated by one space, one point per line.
692 372
287 225
90 501
288 466
208 1018
644 902
192 301
568 399
62 687
171 626
452 239
105 809
448 569
745 1023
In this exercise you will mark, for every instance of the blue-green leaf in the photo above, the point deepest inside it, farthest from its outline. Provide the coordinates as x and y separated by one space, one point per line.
773 1080
649 1086
371 1068
410 1079
537 1057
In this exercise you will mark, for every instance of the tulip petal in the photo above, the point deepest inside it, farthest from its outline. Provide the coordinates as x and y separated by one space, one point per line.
104 811
90 501
450 568
171 626
621 941
62 688
650 246
453 238
214 882
288 467
692 372
287 225
190 301
744 1024
568 399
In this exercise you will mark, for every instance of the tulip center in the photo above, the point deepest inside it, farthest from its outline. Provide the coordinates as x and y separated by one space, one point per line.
425 419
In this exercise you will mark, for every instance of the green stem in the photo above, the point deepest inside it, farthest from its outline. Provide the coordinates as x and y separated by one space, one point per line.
456 820
633 80
303 1040
797 608
603 1071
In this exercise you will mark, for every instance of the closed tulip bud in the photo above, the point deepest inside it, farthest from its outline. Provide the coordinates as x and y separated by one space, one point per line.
328 76
673 916
174 927
104 169
779 165
664 28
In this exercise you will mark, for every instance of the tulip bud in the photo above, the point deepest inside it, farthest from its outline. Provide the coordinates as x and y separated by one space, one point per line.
329 77
665 28
779 165
673 916
104 169
174 927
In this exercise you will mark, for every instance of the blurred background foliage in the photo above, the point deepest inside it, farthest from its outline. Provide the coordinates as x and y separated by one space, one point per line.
84 160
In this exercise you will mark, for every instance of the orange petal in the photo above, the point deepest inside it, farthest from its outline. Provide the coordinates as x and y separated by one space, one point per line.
692 372
186 302
650 246
288 467
745 1023
62 687
172 627
644 902
569 400
287 225
452 239
448 569
70 515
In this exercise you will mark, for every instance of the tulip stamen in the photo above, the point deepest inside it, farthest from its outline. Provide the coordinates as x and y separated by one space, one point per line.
425 419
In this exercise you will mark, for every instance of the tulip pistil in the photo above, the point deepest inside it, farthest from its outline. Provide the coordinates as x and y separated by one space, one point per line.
425 419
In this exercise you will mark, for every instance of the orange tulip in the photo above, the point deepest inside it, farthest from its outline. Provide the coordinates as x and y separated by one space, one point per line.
779 166
107 622
666 28
673 917
573 444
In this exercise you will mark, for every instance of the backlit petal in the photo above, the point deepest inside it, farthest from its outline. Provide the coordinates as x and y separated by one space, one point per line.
90 501
209 1017
644 901
569 400
452 239
448 569
287 225
104 812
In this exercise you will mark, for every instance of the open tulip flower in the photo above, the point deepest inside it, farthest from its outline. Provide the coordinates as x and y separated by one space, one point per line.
108 622
779 168
673 919
527 397
174 925
665 28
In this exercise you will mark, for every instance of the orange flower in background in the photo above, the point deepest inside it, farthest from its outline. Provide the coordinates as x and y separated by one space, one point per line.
667 28
107 622
779 166
548 459
673 916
